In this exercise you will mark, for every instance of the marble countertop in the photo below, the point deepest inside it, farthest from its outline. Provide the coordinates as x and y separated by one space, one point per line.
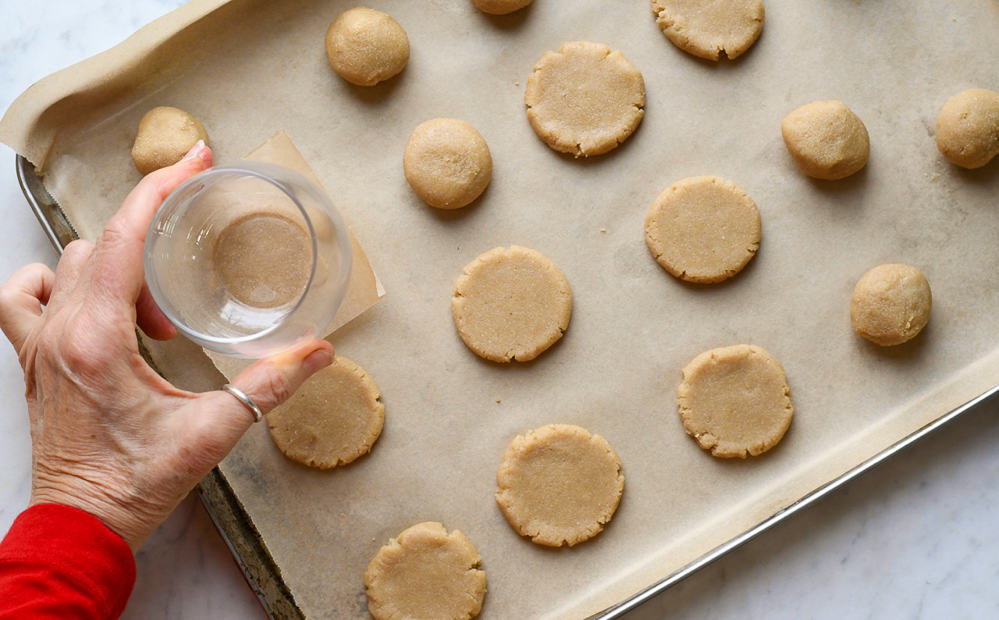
915 538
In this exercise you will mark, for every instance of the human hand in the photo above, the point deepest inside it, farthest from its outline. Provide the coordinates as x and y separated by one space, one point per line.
109 435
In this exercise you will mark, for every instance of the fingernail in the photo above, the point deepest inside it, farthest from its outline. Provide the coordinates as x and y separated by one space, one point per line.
320 358
195 150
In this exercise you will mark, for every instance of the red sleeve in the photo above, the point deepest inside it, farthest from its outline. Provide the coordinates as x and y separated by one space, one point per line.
60 562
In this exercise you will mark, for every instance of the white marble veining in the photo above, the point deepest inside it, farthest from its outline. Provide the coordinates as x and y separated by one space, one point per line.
916 538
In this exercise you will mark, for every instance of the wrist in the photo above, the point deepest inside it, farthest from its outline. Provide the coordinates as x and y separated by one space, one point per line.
123 522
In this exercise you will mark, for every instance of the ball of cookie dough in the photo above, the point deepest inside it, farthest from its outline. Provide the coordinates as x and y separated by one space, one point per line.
366 46
826 139
891 304
500 7
447 163
968 128
165 135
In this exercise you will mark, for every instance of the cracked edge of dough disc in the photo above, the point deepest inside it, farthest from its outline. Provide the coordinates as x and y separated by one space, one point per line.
525 524
517 351
718 446
500 7
278 425
657 246
414 539
613 137
675 28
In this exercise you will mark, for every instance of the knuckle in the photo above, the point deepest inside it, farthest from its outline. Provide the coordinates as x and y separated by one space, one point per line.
79 351
77 250
14 285
79 245
8 293
158 183
278 390
112 235
34 269
78 356
157 179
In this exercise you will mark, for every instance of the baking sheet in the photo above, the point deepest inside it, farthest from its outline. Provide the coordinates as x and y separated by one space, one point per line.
634 327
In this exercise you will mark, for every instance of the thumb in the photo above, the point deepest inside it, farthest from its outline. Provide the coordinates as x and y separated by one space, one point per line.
268 383
273 379
118 251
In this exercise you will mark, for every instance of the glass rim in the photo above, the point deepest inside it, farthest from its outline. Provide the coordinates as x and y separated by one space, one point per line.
270 173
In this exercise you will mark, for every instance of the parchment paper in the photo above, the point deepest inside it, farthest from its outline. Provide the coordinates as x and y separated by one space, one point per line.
251 67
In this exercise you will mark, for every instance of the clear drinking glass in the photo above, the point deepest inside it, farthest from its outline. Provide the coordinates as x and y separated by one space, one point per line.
248 259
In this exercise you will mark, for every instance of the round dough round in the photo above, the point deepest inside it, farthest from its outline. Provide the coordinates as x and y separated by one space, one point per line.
968 128
891 304
165 135
703 229
334 418
735 401
511 304
826 139
447 163
426 573
559 484
584 99
710 29
263 259
366 46
500 7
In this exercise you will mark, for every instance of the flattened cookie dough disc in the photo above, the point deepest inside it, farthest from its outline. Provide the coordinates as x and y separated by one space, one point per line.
708 29
165 135
735 401
826 140
335 417
703 229
511 304
263 260
559 484
584 99
447 163
968 128
500 7
426 573
365 46
891 304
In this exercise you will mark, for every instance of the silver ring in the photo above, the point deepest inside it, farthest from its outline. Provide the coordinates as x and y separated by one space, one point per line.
241 396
